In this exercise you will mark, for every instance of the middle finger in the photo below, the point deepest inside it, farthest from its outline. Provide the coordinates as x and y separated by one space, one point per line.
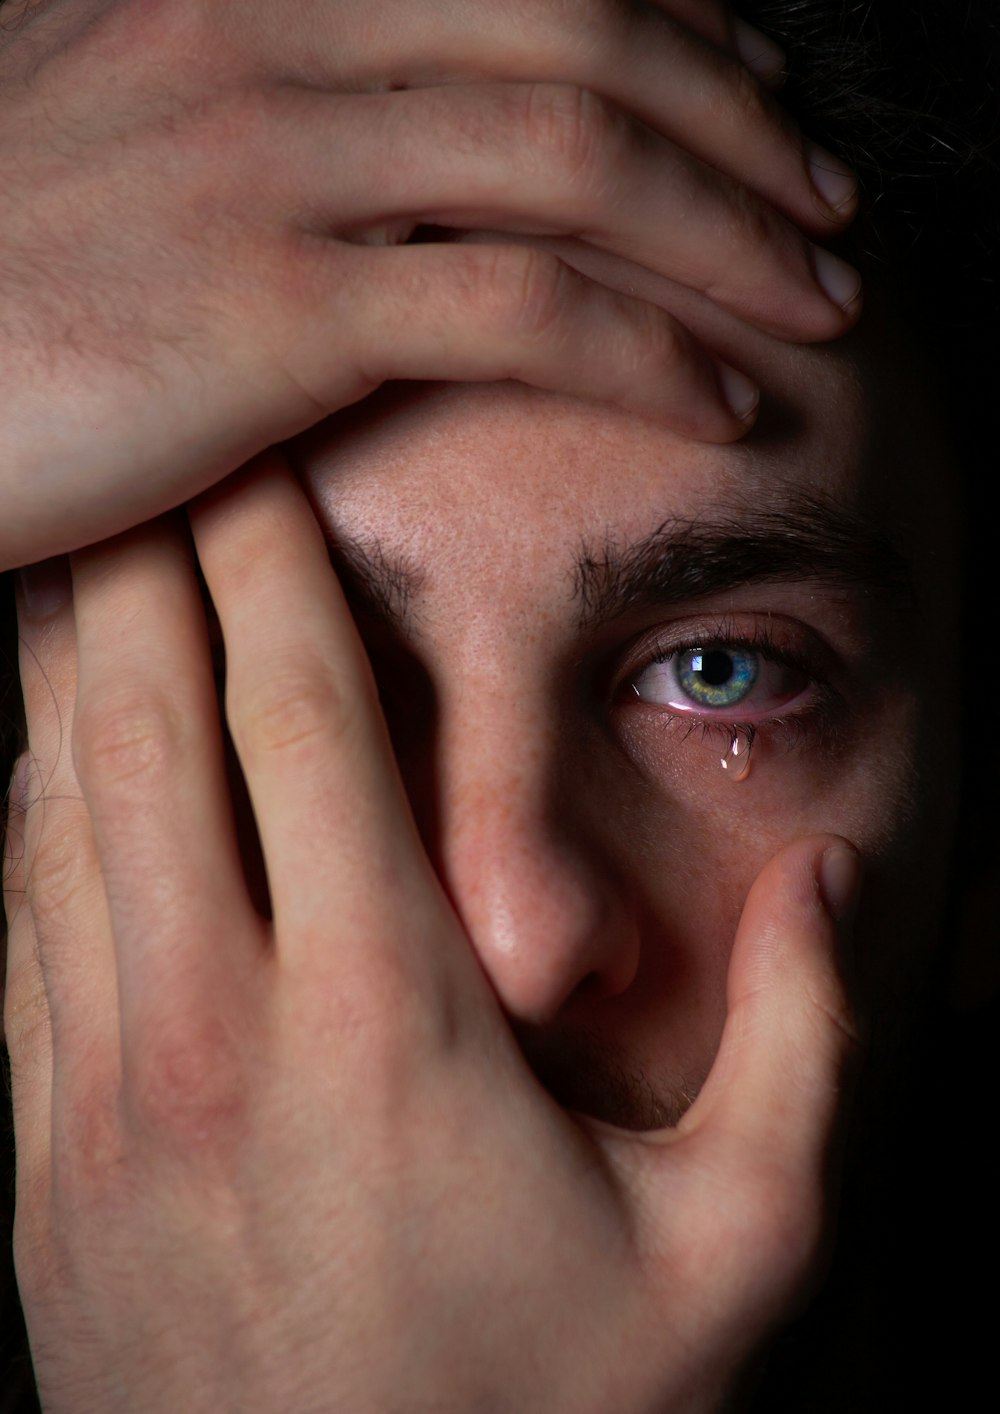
552 159
647 59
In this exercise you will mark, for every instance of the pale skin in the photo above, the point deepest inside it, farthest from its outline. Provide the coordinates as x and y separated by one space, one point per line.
593 844
317 1138
326 1142
318 1130
203 208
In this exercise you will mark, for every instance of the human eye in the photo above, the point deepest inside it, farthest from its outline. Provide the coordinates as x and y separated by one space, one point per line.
719 678
738 682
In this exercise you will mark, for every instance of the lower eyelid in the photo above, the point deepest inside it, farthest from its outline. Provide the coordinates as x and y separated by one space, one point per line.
814 713
815 718
696 720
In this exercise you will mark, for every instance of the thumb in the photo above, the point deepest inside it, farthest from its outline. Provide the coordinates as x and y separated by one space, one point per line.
758 1142
749 1164
776 1084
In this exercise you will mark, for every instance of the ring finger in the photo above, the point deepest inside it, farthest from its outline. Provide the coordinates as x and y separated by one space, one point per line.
551 159
62 1008
676 66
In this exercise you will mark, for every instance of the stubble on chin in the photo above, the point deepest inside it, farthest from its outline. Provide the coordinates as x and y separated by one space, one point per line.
585 1074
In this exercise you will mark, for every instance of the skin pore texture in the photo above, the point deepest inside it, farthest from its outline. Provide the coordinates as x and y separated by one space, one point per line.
519 562
535 579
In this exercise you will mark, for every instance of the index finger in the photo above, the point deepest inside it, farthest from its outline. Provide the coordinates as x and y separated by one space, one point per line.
352 893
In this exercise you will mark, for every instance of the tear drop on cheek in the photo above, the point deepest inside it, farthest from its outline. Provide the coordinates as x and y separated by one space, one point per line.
736 762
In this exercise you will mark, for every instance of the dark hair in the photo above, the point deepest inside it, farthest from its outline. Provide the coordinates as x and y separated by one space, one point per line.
17 1389
907 92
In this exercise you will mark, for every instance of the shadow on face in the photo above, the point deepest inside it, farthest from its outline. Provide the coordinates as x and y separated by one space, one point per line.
578 620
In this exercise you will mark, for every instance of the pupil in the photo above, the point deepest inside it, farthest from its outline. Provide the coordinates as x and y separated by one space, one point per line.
716 667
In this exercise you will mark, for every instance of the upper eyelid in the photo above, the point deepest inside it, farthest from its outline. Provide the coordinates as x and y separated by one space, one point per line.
827 699
817 711
772 652
766 635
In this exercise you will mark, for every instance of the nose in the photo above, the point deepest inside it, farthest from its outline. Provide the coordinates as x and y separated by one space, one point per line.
541 898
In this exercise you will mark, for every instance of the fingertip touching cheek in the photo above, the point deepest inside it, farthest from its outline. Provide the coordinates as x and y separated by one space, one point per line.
621 670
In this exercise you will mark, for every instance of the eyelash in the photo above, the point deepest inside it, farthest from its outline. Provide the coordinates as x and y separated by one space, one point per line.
815 718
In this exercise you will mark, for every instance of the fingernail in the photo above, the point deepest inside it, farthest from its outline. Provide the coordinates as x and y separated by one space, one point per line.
741 394
46 587
758 53
840 881
839 281
835 183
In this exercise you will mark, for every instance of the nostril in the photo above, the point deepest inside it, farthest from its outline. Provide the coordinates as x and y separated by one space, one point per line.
550 933
597 986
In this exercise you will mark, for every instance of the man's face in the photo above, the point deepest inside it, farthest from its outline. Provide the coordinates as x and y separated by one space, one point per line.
572 614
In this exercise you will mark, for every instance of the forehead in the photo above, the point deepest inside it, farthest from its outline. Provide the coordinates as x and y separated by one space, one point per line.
494 492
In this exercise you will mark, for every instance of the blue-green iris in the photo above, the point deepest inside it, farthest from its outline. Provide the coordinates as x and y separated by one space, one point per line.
717 677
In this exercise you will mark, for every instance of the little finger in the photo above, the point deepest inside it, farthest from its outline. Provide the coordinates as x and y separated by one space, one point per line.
62 1018
148 750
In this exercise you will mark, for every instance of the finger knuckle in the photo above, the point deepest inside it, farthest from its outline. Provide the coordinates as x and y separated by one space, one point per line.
520 291
751 227
835 1021
172 30
184 1084
566 32
748 109
124 740
27 1024
571 17
650 352
292 711
661 346
52 881
92 1145
576 133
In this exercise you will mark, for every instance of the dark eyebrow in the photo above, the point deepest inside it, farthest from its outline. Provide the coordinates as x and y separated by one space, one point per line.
806 539
377 585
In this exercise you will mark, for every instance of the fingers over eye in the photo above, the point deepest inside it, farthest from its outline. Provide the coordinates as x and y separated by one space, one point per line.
361 927
350 885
